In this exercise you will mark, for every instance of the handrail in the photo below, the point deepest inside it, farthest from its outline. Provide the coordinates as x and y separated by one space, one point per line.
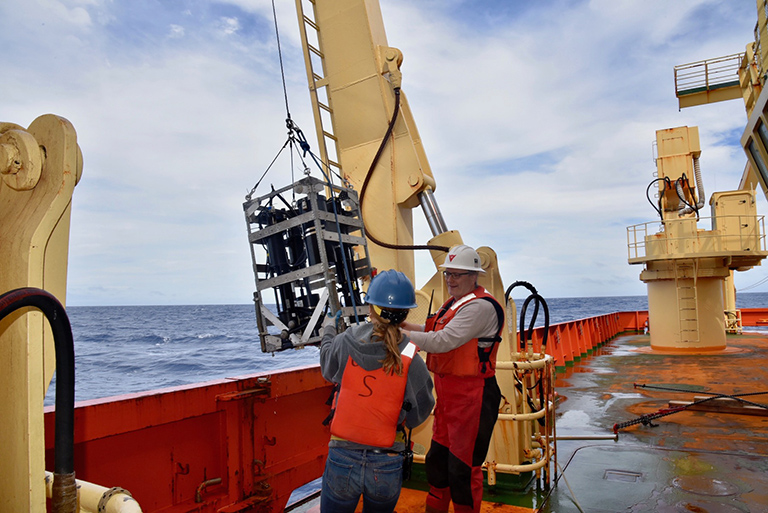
751 237
708 74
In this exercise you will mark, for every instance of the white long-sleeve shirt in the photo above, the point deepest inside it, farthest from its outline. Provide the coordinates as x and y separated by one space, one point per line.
476 319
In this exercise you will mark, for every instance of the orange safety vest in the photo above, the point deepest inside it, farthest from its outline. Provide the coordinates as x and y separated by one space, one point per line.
469 359
368 403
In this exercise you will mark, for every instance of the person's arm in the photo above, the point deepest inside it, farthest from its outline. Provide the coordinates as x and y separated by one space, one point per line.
418 393
331 357
475 319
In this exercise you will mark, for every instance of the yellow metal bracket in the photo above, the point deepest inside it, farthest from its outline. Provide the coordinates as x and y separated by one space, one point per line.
40 167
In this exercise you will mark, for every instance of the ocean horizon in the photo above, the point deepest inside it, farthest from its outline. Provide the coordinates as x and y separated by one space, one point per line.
135 348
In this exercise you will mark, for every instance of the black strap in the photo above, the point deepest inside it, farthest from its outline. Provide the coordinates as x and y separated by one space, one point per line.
499 318
484 353
329 402
444 309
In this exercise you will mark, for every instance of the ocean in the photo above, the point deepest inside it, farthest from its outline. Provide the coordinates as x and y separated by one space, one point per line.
124 349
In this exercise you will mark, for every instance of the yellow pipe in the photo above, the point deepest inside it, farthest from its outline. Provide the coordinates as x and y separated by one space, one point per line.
514 469
93 498
500 467
523 416
523 365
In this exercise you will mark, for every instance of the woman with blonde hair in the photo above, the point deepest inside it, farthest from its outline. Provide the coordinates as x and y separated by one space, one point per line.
383 387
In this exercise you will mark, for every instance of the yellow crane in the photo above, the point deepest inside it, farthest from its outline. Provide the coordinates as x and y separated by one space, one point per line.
39 168
367 134
689 270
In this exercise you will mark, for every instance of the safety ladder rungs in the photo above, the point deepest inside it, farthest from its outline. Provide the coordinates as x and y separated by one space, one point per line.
325 107
318 83
311 23
315 51
330 136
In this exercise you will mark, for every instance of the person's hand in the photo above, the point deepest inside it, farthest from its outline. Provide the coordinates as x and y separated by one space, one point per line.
409 326
332 320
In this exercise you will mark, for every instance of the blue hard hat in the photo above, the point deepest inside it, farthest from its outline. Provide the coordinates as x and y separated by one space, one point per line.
391 289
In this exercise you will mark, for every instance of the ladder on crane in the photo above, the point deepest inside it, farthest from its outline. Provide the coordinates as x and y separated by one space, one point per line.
322 109
687 300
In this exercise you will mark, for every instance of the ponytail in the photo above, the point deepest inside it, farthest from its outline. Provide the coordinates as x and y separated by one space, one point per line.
390 335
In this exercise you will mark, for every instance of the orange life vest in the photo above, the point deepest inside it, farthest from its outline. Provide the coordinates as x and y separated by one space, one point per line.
469 359
368 403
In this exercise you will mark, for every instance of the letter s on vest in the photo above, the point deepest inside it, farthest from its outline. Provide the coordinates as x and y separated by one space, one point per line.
368 403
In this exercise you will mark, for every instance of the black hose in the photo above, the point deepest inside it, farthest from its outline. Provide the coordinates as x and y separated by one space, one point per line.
687 184
648 197
368 176
64 461
538 300
534 297
519 284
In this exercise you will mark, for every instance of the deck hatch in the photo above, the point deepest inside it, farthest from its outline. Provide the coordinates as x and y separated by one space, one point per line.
623 476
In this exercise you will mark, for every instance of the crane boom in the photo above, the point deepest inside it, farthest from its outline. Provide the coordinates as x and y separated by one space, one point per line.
367 134
353 76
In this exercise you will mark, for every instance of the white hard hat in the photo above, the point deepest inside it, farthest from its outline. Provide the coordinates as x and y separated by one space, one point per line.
462 257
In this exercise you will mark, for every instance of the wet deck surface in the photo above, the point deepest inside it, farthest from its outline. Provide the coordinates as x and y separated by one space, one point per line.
691 460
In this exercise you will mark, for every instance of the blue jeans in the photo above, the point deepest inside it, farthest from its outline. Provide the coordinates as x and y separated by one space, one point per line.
349 473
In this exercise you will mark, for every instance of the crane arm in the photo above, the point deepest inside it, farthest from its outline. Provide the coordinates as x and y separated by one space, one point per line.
354 80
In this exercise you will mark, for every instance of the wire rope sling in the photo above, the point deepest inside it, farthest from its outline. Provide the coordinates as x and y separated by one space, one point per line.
308 248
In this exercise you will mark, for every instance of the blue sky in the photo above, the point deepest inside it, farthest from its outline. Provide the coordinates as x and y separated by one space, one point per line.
537 118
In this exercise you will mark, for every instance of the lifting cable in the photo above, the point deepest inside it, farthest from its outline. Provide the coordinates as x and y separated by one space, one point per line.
295 135
368 176
280 58
296 139
663 412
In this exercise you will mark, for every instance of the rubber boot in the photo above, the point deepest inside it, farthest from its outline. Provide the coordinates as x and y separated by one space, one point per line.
438 500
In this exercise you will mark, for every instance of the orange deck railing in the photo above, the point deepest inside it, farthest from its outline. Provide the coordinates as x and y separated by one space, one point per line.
569 341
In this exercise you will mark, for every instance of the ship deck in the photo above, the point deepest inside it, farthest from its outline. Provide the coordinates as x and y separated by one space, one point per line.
240 444
707 458
711 458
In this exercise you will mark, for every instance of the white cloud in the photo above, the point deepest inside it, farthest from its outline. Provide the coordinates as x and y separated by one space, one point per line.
175 31
229 25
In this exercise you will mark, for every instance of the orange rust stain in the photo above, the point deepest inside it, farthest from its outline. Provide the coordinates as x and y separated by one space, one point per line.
740 369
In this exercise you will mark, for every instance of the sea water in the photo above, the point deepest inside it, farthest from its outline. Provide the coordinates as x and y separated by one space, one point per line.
124 349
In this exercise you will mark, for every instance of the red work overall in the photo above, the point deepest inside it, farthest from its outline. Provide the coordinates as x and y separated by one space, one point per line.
468 400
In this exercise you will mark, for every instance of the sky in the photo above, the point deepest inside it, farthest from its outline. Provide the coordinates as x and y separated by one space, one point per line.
538 120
